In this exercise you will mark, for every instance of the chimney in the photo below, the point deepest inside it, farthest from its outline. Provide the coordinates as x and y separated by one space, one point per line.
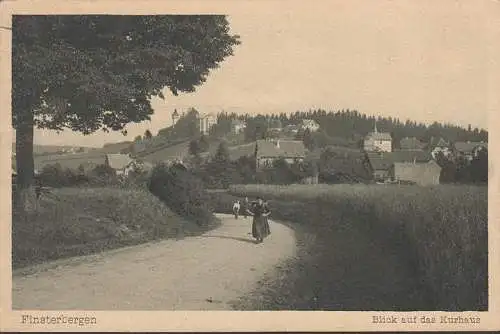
414 160
278 143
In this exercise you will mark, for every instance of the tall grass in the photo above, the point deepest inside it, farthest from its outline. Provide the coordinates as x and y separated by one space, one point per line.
441 230
78 221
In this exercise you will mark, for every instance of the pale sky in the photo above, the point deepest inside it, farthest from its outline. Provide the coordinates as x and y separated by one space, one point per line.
422 60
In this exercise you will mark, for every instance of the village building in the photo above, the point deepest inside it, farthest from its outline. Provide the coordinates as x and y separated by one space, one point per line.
205 122
310 125
410 144
439 145
268 151
382 163
378 141
470 150
119 163
238 126
420 173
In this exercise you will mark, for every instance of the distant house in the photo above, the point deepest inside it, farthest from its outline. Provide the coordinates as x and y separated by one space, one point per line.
309 124
421 173
470 150
268 151
119 162
410 144
291 128
439 145
378 141
206 121
238 126
381 163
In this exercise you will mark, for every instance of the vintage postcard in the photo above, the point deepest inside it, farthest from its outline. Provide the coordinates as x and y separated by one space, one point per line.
250 165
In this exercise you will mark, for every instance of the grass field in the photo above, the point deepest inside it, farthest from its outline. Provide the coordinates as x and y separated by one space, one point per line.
80 221
430 244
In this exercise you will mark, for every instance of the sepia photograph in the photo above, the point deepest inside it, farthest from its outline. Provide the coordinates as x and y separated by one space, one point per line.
333 159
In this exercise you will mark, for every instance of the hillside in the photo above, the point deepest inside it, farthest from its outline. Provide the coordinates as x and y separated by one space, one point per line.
54 149
75 221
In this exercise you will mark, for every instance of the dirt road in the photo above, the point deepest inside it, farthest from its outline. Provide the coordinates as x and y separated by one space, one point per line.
197 273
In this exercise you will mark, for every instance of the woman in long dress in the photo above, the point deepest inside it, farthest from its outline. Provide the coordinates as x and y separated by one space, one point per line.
267 228
259 213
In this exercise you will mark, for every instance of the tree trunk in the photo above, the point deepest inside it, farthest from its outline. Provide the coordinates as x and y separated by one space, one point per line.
25 195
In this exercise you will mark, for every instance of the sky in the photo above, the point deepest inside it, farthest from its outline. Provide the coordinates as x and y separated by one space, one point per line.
421 60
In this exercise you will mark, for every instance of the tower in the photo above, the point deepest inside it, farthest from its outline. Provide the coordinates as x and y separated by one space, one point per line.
375 127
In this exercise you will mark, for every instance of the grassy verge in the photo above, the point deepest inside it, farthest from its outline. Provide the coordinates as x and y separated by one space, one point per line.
81 221
380 247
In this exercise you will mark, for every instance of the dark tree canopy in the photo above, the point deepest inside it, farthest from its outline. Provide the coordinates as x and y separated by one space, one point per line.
88 72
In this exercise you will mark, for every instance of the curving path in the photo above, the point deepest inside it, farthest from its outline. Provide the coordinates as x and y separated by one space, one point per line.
196 273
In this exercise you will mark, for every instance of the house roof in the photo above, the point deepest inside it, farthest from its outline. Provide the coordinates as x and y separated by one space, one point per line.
421 165
286 149
438 142
379 136
410 143
384 160
468 147
118 161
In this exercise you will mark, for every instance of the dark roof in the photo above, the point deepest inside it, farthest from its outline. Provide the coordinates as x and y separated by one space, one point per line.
468 147
379 136
410 143
384 160
286 149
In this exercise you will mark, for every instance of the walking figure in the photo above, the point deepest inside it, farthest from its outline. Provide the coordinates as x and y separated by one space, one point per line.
236 209
246 207
259 213
267 228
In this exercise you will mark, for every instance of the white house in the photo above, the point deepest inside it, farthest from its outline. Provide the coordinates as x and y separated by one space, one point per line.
309 124
378 141
206 121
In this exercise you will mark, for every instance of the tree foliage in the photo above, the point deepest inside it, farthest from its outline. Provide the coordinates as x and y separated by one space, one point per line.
91 72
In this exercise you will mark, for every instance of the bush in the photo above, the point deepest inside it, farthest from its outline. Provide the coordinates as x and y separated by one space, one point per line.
55 176
182 192
80 221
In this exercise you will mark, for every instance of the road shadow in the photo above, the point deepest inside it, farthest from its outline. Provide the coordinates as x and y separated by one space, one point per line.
232 238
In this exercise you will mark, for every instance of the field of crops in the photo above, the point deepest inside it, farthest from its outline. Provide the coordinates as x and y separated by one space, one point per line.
442 230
